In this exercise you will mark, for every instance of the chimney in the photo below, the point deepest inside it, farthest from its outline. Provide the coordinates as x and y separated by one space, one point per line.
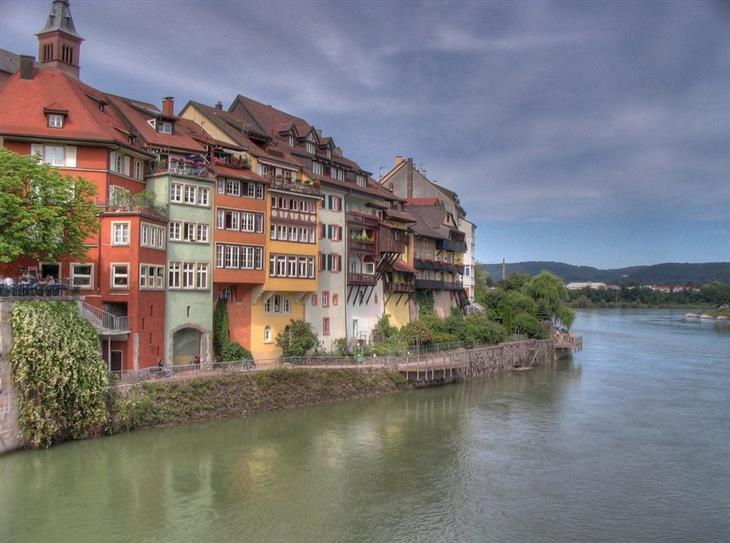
219 105
409 178
168 106
504 269
26 66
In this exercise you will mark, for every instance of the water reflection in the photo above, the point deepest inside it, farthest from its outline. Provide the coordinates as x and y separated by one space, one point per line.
626 441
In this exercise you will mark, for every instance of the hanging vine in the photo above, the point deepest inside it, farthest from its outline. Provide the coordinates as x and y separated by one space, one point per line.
58 373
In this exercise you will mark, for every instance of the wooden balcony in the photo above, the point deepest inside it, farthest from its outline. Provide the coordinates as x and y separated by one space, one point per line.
397 288
361 278
431 284
363 220
362 246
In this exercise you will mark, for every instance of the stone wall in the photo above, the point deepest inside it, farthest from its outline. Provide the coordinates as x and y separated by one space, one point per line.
9 431
499 358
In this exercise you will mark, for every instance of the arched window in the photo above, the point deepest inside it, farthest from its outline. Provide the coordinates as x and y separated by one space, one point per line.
267 334
226 294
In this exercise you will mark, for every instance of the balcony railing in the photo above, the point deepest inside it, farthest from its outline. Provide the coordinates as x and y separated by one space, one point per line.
362 219
393 287
367 246
361 278
182 167
103 319
109 207
437 265
448 245
293 186
439 285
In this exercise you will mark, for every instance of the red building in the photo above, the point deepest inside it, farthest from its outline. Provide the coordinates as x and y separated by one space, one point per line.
45 110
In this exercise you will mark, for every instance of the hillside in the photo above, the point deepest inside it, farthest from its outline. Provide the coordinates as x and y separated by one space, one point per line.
667 273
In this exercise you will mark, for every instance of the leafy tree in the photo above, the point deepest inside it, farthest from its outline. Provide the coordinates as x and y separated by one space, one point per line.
225 348
417 332
297 339
44 214
548 291
482 282
525 323
383 330
514 282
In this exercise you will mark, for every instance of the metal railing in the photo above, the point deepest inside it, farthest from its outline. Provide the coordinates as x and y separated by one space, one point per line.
191 370
103 319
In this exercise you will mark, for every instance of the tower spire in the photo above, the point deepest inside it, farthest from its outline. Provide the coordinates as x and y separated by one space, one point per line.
58 42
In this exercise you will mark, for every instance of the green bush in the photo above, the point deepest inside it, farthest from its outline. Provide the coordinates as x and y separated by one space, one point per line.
58 372
341 347
234 352
383 330
480 328
297 339
424 301
417 332
524 323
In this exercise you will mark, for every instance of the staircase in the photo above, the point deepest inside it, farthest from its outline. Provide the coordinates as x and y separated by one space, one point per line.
106 323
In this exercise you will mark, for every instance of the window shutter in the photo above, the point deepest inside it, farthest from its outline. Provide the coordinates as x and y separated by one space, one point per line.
36 149
339 262
322 261
321 231
70 156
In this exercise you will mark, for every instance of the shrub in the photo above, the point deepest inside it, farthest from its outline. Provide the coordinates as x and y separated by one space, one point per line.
479 328
58 372
524 323
341 347
297 339
234 352
417 332
383 330
424 301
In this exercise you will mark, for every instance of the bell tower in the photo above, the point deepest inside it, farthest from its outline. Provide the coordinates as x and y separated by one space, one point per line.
59 44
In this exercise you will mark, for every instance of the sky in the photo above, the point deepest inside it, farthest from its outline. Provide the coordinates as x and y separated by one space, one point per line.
593 133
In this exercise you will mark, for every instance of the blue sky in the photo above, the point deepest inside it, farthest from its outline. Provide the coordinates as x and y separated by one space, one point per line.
593 133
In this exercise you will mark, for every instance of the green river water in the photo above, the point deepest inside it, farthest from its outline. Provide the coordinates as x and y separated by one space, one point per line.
628 441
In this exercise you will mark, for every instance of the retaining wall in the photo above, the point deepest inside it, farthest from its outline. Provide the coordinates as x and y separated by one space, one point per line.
9 430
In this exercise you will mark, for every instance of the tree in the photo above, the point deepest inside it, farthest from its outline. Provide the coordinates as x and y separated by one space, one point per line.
549 293
482 282
44 214
297 339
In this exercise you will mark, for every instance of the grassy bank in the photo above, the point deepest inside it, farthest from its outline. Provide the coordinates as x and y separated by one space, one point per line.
180 401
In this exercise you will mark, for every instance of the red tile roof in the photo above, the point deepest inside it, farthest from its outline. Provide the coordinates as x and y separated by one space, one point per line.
429 201
138 113
221 168
22 102
401 266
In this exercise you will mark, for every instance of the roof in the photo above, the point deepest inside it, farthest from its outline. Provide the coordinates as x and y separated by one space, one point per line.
269 118
60 19
22 104
9 62
221 168
138 113
430 201
429 221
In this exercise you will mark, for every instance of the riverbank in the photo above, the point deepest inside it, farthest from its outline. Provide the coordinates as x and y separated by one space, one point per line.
167 402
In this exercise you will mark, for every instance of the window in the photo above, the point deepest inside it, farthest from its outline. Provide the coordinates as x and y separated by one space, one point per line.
219 262
251 190
116 162
325 298
325 326
291 140
173 275
82 275
310 147
233 187
361 180
189 194
267 334
164 127
335 299
368 268
176 192
120 233
330 262
277 303
201 278
55 120
151 276
317 168
334 203
153 236
120 275
203 233
314 300
188 274
138 169
127 168
310 267
259 191
203 194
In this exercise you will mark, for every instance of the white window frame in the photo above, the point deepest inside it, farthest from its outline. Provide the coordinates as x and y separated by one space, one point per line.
114 275
90 275
124 239
268 334
55 120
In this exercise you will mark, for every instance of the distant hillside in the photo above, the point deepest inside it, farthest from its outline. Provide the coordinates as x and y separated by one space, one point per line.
669 273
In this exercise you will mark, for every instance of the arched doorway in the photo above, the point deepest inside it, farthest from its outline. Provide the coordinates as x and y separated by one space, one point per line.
185 346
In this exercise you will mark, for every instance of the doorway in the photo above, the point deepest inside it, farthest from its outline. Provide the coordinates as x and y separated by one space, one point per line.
185 346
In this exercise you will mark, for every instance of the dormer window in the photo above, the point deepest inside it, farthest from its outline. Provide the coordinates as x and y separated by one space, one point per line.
291 140
55 120
329 153
310 145
360 180
164 127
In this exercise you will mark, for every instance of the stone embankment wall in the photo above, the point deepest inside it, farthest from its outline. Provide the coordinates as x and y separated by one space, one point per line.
499 358
9 430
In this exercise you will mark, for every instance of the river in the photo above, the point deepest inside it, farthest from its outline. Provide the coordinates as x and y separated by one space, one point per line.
628 441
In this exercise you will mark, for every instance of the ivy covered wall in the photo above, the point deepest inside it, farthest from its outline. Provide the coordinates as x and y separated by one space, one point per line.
59 375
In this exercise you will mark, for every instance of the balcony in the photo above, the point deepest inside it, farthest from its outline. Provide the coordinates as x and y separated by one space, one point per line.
437 265
361 278
397 288
430 284
107 208
362 220
448 245
192 166
389 243
280 216
291 185
363 245
106 323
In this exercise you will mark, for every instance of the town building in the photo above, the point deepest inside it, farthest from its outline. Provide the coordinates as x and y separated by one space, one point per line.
48 112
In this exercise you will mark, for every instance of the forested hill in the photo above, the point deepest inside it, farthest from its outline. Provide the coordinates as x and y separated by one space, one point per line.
669 273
